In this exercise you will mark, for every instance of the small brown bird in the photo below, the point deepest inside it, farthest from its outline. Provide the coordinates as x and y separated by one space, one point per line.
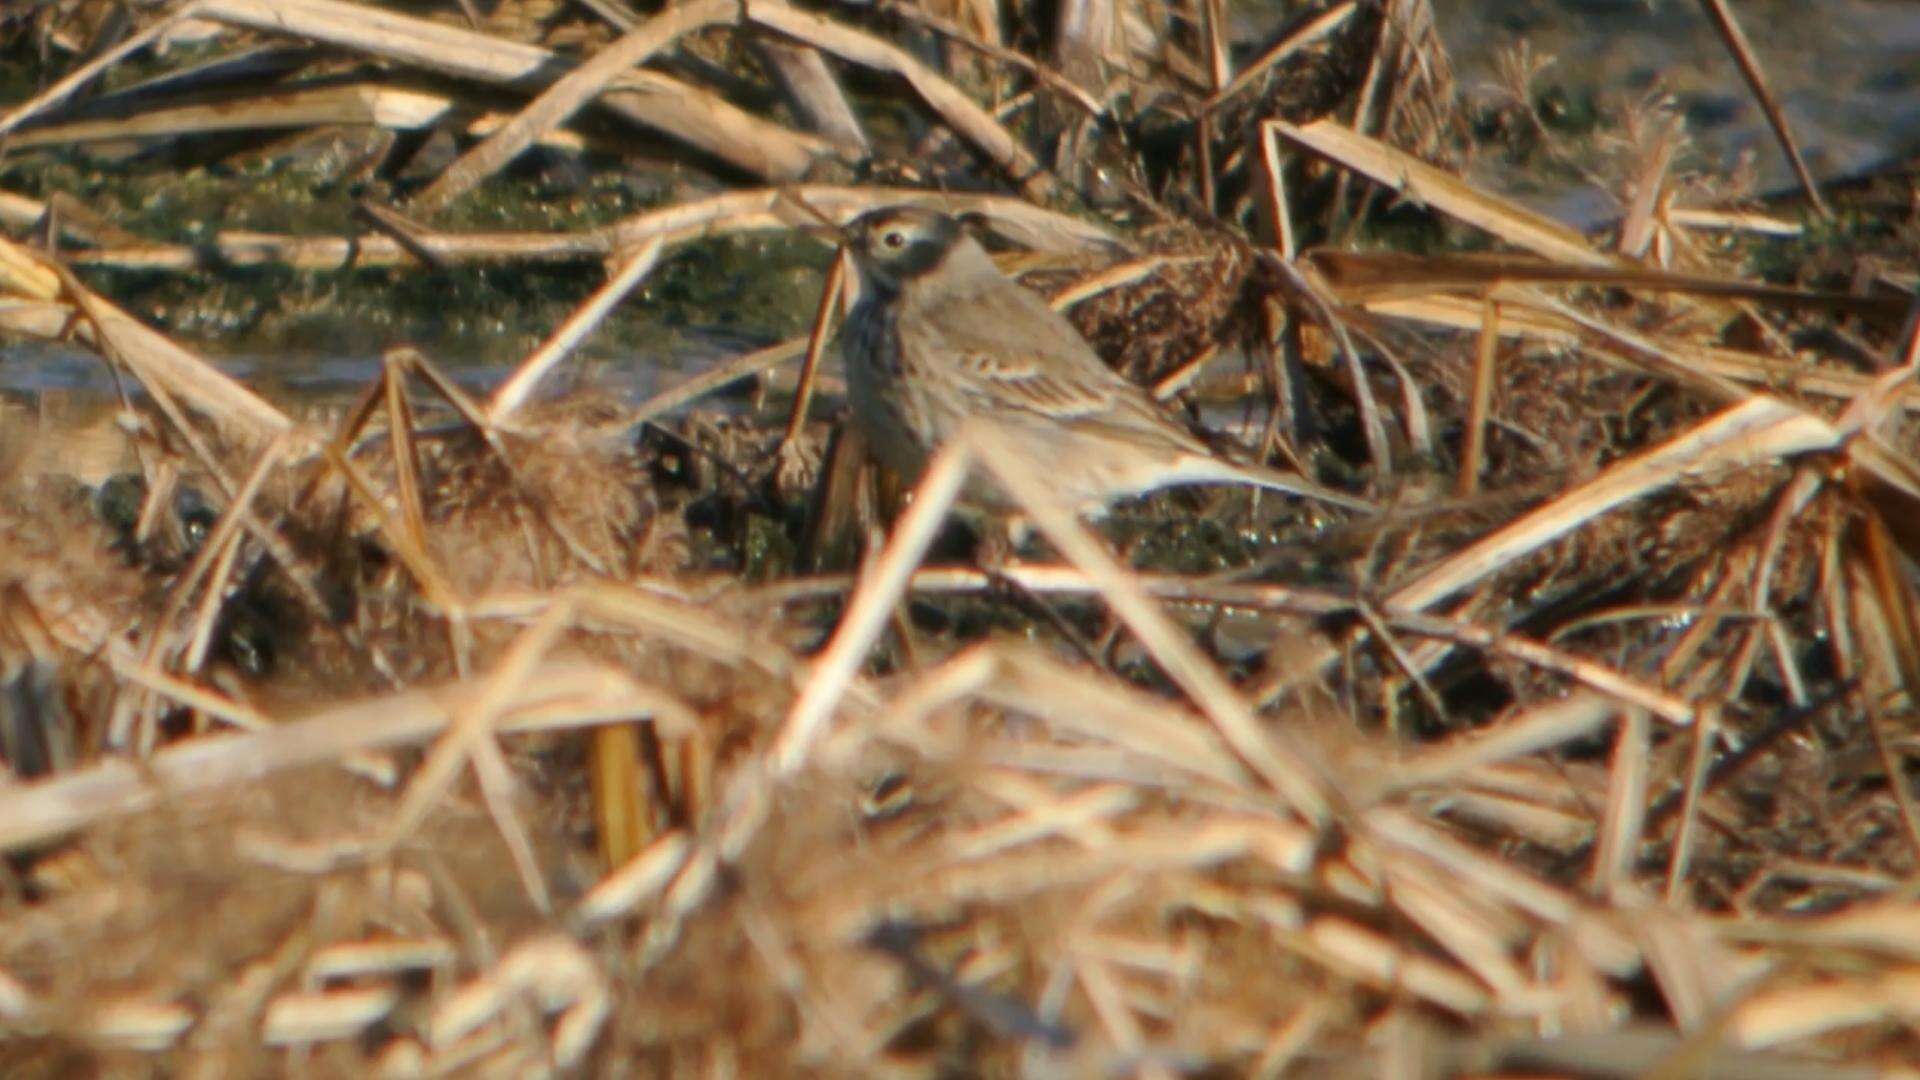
940 335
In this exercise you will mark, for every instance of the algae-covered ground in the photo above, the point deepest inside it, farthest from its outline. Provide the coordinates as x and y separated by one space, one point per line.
735 290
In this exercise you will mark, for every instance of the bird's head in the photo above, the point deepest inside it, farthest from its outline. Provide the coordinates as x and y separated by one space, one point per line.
892 246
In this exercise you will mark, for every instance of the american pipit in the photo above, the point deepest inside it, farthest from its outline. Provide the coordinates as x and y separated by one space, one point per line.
940 335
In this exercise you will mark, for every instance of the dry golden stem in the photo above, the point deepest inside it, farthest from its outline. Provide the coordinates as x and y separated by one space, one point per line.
94 67
1480 405
557 103
694 116
972 122
823 320
872 603
1293 777
1750 69
514 392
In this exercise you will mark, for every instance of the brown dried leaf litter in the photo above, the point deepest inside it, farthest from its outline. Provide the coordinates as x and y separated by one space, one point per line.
452 735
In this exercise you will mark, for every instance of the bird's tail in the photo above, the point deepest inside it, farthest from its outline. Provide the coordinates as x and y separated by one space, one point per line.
1203 469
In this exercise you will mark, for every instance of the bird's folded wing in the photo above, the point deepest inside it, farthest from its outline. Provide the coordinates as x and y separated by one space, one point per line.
1029 363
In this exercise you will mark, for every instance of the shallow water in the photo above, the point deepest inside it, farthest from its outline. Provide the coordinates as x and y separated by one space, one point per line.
32 369
1847 74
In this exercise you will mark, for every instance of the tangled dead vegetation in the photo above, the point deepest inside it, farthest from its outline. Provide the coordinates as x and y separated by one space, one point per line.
550 732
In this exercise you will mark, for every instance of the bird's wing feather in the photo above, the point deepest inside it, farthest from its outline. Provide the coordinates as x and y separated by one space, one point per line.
1032 363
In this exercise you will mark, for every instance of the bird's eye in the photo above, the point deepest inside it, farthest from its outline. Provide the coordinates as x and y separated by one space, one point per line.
893 239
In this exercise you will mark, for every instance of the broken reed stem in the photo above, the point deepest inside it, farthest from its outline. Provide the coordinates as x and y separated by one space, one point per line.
1751 70
1046 580
1705 732
647 99
1060 84
1480 405
76 80
470 738
558 102
1290 775
225 539
1321 25
960 112
628 273
823 321
406 457
872 604
566 694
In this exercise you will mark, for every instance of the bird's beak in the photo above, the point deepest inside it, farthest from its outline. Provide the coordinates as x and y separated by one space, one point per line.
813 222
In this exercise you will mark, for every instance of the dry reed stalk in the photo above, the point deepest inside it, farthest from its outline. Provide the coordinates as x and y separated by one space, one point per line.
1524 316
1480 403
551 970
303 1019
956 108
1639 228
1072 702
1415 179
734 212
27 276
823 321
1642 1049
390 107
625 276
469 738
1118 276
654 101
242 248
1602 936
1622 824
952 31
868 609
566 694
1048 580
618 785
223 544
129 1023
638 881
1551 724
1379 451
1724 22
1294 778
78 78
401 427
220 72
435 587
1279 208
165 368
1363 276
1756 430
557 103
813 93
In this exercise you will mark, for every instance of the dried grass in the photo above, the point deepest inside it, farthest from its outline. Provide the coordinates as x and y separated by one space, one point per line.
446 736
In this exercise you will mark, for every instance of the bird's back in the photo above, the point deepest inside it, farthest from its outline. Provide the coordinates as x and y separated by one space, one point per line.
1007 355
